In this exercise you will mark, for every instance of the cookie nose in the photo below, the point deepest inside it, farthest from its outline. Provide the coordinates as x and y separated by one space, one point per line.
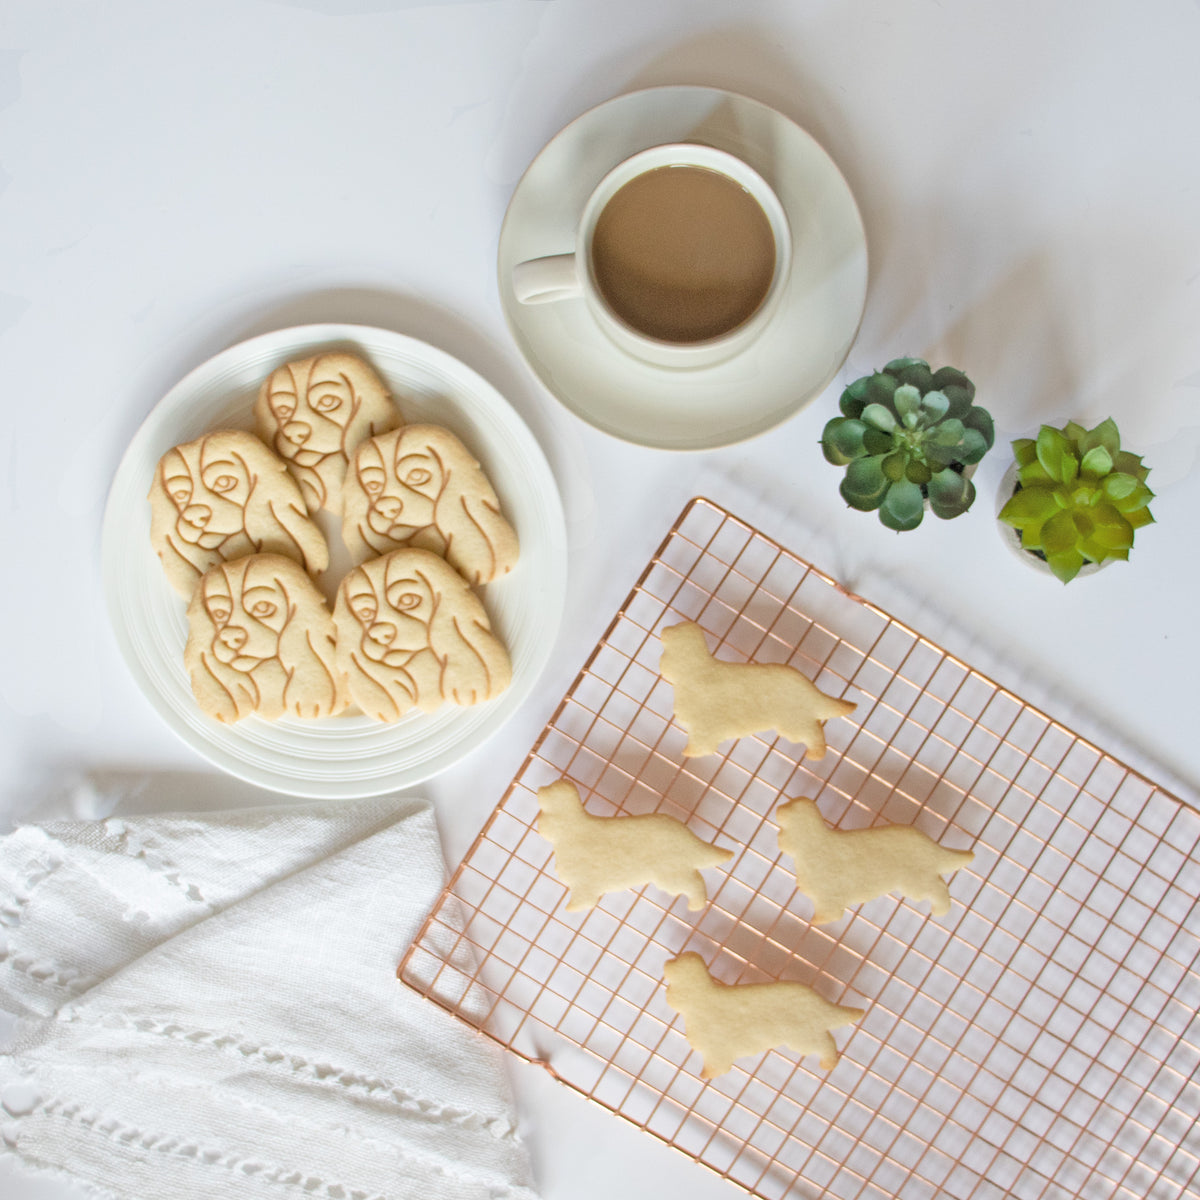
382 633
232 637
389 507
198 515
297 432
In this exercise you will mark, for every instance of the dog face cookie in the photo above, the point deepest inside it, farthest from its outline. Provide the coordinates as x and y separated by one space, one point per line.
412 634
314 412
224 496
595 855
420 486
717 700
723 1022
261 640
839 869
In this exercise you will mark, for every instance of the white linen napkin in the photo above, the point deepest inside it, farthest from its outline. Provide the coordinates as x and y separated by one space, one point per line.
210 1009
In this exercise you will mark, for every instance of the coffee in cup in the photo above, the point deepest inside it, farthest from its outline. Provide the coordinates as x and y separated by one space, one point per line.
680 255
683 254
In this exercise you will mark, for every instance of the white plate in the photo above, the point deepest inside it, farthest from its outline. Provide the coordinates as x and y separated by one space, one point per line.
346 756
796 357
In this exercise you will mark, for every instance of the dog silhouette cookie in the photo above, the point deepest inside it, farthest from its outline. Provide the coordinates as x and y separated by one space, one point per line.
411 634
261 640
596 855
839 869
716 700
724 1022
314 412
225 496
420 486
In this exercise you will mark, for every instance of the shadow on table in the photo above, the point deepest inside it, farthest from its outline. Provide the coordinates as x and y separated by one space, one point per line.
100 792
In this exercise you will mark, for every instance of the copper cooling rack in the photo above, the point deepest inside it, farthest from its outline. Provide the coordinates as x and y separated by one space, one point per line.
1040 1041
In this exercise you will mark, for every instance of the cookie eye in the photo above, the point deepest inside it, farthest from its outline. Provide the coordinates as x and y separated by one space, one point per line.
417 476
179 488
283 410
218 611
372 480
363 609
406 600
327 403
224 483
263 609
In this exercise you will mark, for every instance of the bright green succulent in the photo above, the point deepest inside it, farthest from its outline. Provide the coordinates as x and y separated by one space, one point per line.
905 436
1079 496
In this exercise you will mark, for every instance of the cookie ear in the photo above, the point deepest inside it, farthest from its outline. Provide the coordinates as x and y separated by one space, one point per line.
356 506
276 517
288 522
182 562
224 694
373 409
228 696
474 665
480 543
307 649
177 557
479 534
381 692
373 696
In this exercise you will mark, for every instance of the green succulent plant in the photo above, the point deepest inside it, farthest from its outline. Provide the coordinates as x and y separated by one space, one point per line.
905 436
1079 497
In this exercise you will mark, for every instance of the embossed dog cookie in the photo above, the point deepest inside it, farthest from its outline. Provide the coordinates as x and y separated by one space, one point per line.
261 640
838 869
412 634
716 700
724 1022
224 496
420 486
595 855
314 412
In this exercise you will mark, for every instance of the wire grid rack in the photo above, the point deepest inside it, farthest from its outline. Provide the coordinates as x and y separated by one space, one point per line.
1040 1041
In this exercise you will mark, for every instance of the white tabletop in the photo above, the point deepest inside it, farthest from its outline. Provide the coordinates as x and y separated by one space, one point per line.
175 178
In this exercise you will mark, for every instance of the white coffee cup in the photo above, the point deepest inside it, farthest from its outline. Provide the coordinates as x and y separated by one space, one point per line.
571 277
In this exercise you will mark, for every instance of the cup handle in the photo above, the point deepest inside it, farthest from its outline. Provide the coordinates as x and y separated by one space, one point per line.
544 280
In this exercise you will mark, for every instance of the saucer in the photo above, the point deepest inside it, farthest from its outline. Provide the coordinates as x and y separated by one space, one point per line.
798 353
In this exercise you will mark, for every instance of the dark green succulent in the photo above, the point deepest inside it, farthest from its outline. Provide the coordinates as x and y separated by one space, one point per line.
1079 496
906 435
